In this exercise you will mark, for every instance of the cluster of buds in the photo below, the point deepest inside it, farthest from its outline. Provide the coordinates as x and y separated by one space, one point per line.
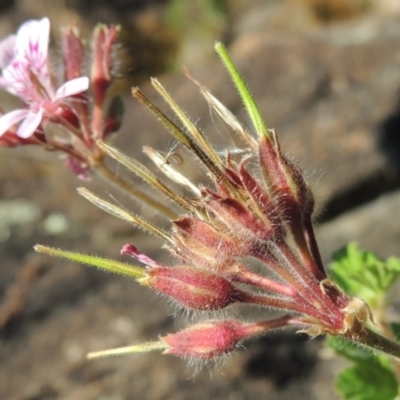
79 106
244 237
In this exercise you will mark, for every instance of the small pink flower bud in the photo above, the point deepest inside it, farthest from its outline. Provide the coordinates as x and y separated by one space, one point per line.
204 240
132 251
104 38
259 196
236 217
79 167
211 339
65 113
206 340
73 53
193 288
305 195
279 177
114 115
10 139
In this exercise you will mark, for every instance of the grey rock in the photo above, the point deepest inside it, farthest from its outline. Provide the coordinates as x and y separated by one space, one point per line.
375 226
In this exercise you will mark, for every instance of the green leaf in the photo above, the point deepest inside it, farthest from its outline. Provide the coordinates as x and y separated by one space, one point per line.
367 380
348 349
360 273
395 328
354 352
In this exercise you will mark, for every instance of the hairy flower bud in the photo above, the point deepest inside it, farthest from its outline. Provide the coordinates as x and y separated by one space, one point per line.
10 139
104 38
193 288
73 52
66 113
211 339
205 240
279 177
114 115
240 218
206 340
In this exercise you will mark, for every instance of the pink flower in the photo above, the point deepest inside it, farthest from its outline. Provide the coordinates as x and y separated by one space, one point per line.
25 73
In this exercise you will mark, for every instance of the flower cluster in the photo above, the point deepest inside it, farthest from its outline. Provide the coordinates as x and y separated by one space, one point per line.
255 210
26 72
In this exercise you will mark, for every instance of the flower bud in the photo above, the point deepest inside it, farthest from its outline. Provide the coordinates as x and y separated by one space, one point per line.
65 113
211 339
78 167
114 115
206 340
204 240
259 195
193 288
279 175
236 216
10 139
103 41
73 53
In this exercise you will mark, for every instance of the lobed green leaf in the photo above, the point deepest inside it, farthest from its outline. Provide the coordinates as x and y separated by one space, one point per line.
361 273
367 380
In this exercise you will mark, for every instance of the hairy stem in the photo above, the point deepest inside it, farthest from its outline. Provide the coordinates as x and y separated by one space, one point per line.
377 342
381 322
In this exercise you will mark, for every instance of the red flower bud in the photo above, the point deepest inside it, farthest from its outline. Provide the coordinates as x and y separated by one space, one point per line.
104 39
73 53
66 113
10 139
205 341
259 196
236 217
204 240
113 118
278 174
192 287
211 339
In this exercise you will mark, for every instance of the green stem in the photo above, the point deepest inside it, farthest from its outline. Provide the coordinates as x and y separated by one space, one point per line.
377 342
380 320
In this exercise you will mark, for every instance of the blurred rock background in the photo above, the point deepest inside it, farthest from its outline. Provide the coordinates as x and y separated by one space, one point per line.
327 76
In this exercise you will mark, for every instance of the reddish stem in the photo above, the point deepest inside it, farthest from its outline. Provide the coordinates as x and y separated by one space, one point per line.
248 277
310 281
283 304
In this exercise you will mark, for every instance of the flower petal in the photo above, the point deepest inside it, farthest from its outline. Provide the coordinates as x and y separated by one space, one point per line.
30 124
27 61
11 118
7 50
15 79
33 41
74 86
